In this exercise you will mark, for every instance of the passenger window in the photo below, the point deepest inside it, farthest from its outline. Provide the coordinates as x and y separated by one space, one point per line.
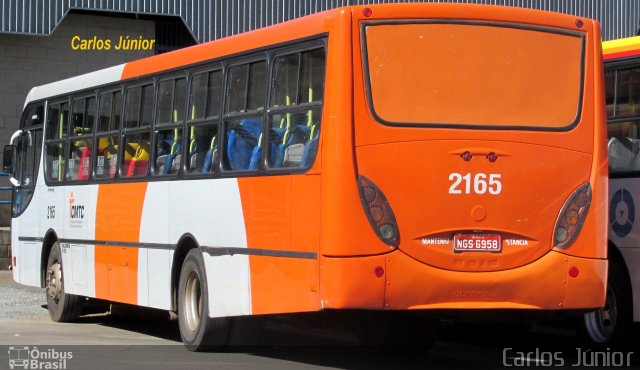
204 103
57 132
257 85
179 100
135 159
79 160
214 93
168 151
243 132
203 148
312 79
628 92
296 109
165 97
171 100
243 139
198 96
610 88
237 88
58 121
55 163
107 157
284 90
139 106
82 117
147 106
110 111
624 146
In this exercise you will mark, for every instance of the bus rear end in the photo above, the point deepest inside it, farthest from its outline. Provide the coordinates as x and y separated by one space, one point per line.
480 163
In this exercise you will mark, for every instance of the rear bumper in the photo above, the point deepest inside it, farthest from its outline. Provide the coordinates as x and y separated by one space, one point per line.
544 284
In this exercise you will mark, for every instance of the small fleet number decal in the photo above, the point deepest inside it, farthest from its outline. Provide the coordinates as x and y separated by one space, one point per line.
479 183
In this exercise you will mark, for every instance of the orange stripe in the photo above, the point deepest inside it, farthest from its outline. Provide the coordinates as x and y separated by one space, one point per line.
273 207
118 217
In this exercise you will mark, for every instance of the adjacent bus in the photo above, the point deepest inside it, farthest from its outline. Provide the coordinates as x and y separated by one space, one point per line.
613 323
386 158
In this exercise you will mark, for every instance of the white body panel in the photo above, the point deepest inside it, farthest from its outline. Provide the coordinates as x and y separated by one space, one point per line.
215 208
97 78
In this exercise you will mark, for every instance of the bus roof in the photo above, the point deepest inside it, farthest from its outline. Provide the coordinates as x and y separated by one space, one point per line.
621 48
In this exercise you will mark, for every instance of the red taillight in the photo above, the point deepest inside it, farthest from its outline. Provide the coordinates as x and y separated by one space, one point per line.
378 212
367 12
572 216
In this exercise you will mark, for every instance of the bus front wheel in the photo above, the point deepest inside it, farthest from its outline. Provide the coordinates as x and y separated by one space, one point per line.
62 307
609 325
198 331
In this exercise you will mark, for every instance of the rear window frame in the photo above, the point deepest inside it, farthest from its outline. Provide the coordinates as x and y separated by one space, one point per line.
367 78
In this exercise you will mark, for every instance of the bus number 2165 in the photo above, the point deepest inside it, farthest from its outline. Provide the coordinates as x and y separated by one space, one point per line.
479 183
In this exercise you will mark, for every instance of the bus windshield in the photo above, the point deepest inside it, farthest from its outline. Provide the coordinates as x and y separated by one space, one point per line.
478 74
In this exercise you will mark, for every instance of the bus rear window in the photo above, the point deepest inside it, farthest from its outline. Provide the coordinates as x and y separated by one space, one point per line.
488 75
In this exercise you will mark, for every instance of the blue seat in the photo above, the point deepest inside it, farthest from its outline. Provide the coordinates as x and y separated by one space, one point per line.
299 134
243 144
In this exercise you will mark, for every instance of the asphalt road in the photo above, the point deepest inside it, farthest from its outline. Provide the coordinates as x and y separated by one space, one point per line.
148 340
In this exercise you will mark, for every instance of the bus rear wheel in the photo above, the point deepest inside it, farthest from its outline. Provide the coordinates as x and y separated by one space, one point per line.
199 332
62 307
609 325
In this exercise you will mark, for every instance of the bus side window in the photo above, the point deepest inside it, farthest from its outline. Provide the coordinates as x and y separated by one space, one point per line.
628 92
243 129
137 131
624 146
57 131
204 110
109 113
135 159
296 108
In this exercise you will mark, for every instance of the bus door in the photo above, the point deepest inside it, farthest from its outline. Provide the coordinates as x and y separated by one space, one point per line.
25 222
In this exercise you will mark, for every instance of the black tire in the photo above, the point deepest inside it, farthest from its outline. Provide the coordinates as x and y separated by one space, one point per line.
63 307
609 326
199 332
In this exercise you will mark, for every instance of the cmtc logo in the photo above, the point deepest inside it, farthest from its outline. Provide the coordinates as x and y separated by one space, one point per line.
75 211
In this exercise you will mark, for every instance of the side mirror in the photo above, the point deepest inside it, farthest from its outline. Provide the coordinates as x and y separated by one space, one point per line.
9 159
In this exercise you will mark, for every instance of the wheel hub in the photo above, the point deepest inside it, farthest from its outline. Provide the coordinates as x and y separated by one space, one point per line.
193 301
54 282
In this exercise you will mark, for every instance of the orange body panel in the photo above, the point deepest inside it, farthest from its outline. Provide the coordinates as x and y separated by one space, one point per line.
408 284
118 215
540 170
280 214
543 284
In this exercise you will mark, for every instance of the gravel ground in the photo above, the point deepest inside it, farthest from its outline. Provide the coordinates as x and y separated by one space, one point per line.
18 302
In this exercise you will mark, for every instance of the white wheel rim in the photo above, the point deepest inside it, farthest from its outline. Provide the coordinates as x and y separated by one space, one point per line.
192 301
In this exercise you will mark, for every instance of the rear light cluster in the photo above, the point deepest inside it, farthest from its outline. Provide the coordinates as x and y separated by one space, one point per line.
572 216
378 212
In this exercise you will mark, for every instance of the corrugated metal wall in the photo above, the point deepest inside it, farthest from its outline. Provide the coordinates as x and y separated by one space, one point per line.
208 20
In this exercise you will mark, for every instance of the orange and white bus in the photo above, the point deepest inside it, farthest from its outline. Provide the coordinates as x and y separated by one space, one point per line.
391 158
613 323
